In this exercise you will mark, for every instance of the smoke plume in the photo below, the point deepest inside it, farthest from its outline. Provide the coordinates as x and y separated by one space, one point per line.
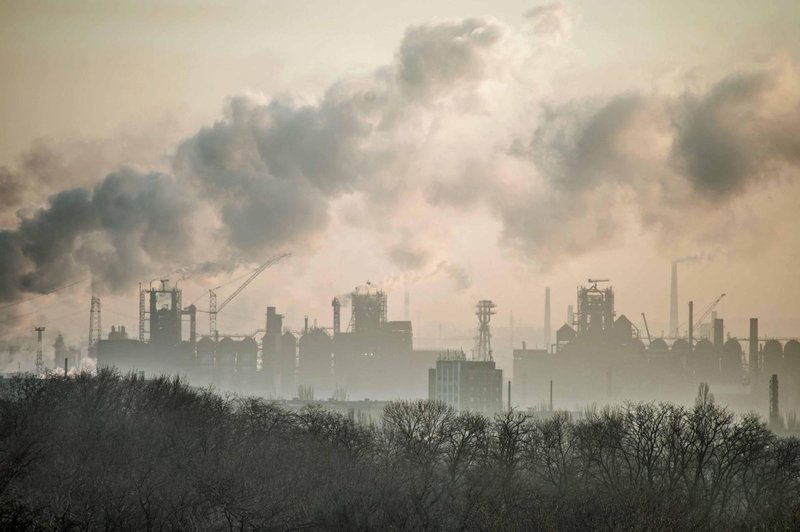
455 121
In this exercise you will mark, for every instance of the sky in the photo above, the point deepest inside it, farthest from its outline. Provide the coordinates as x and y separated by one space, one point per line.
454 150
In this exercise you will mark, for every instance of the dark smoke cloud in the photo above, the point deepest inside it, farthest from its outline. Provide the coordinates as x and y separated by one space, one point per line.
269 171
674 160
11 189
265 175
49 166
728 138
272 168
117 231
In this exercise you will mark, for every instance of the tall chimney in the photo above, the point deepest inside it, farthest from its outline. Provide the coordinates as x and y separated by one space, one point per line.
274 323
336 315
547 319
570 315
719 331
673 301
775 422
691 323
305 327
753 355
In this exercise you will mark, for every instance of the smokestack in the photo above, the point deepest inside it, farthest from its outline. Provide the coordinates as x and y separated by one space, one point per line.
336 315
274 323
719 331
509 395
753 355
305 327
774 412
407 306
570 315
673 301
691 323
547 319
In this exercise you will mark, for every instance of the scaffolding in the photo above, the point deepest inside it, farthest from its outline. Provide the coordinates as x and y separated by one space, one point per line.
595 309
369 308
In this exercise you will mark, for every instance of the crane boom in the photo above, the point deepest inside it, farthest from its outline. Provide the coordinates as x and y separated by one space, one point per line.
708 310
250 279
214 309
646 328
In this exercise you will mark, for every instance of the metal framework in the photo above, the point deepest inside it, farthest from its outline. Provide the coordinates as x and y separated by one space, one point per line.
212 315
214 309
142 314
39 357
368 308
595 308
707 311
484 310
94 326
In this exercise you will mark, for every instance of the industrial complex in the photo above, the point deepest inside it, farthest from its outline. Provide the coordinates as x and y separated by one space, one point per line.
597 357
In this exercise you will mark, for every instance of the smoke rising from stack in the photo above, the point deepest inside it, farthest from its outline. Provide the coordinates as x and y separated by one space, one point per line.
268 172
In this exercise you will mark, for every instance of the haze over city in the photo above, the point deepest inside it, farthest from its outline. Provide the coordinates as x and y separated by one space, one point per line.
450 150
281 265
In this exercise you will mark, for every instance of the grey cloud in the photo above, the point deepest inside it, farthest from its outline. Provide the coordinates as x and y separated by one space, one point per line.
269 170
669 158
48 166
574 144
723 141
457 274
408 256
48 239
113 231
552 21
437 56
11 188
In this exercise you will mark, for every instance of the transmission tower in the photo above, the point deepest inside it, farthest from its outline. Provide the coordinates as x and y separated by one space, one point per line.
94 326
39 359
483 344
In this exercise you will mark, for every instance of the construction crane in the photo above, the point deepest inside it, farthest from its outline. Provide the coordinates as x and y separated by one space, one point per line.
214 309
595 281
646 328
711 307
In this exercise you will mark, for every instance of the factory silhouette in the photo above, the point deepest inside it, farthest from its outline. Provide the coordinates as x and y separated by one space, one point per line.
599 356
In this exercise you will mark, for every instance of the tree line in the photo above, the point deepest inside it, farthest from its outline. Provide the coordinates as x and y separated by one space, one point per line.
109 451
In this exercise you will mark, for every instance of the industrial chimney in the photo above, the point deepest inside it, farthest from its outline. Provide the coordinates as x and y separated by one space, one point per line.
673 301
775 421
719 334
336 316
752 359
